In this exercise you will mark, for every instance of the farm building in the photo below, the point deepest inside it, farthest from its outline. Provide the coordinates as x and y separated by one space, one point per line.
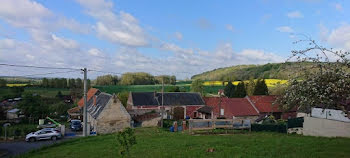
106 114
264 105
177 105
76 112
237 108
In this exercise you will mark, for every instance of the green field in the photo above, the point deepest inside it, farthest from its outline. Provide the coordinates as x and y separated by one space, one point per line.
45 92
154 143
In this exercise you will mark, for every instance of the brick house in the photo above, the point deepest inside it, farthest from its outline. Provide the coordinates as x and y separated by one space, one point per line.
264 105
237 108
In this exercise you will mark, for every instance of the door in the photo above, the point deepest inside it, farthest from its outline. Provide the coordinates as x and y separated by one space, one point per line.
45 134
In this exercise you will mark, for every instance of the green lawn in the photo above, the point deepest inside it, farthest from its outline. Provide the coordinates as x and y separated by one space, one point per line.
153 143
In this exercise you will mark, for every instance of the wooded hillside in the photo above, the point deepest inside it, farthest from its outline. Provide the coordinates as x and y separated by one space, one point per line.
244 72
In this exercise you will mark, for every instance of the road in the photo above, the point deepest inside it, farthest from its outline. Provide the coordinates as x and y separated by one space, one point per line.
20 147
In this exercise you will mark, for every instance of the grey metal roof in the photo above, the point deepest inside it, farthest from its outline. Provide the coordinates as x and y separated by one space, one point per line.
170 99
101 101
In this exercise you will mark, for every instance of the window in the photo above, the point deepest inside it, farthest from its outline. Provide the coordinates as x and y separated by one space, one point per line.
222 112
195 114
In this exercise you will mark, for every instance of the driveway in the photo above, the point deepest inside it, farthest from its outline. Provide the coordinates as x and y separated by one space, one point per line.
20 147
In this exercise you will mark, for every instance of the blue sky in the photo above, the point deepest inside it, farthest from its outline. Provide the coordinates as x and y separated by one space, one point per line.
179 38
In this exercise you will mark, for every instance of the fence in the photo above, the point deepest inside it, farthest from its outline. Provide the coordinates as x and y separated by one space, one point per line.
197 124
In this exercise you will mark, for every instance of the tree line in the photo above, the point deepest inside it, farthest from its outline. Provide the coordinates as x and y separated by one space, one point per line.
136 78
64 83
243 89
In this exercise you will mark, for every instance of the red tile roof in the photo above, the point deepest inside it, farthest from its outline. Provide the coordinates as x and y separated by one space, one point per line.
264 103
232 106
74 110
90 93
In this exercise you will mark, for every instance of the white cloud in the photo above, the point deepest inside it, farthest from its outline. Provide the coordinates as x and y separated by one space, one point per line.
95 52
285 29
121 28
178 35
230 28
338 7
174 48
295 14
34 16
340 37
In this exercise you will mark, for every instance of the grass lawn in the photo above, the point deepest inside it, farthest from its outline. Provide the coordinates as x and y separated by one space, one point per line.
153 142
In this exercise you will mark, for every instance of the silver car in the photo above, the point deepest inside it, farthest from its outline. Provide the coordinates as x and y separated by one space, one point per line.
46 133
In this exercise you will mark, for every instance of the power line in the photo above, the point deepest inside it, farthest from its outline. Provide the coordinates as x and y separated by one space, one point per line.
42 74
39 67
106 72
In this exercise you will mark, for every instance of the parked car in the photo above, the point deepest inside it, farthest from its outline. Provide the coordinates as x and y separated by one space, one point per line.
76 125
46 133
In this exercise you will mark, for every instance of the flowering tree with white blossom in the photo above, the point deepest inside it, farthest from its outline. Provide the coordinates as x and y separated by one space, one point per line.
324 82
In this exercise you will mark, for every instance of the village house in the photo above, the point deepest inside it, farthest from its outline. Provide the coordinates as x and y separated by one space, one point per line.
76 113
265 106
254 108
106 114
177 105
232 108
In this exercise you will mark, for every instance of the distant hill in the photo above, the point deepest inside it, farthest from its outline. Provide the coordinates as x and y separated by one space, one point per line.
244 72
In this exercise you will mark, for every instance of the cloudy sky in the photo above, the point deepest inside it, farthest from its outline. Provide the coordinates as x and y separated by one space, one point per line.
179 38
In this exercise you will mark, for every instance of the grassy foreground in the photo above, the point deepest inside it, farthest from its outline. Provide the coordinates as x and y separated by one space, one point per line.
153 142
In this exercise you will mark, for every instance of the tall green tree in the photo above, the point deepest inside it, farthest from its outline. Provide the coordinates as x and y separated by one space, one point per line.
79 83
229 90
123 97
33 107
71 83
250 86
173 80
240 91
197 86
45 82
3 83
261 88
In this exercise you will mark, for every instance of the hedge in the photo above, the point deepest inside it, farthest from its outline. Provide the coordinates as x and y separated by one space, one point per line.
281 128
295 122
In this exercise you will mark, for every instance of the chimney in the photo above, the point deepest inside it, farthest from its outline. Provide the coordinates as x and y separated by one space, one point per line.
94 100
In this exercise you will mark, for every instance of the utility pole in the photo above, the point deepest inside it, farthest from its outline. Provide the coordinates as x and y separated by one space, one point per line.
161 122
85 132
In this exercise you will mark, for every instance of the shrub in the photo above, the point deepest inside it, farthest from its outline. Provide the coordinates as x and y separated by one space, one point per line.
17 132
125 139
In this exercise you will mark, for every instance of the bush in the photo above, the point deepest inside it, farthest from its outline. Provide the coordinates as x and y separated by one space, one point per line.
17 132
280 128
125 139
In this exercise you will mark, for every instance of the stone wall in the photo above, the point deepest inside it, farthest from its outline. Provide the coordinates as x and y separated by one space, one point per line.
113 118
324 127
151 123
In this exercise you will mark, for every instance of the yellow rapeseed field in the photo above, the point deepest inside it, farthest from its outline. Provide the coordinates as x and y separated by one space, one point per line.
16 85
269 82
